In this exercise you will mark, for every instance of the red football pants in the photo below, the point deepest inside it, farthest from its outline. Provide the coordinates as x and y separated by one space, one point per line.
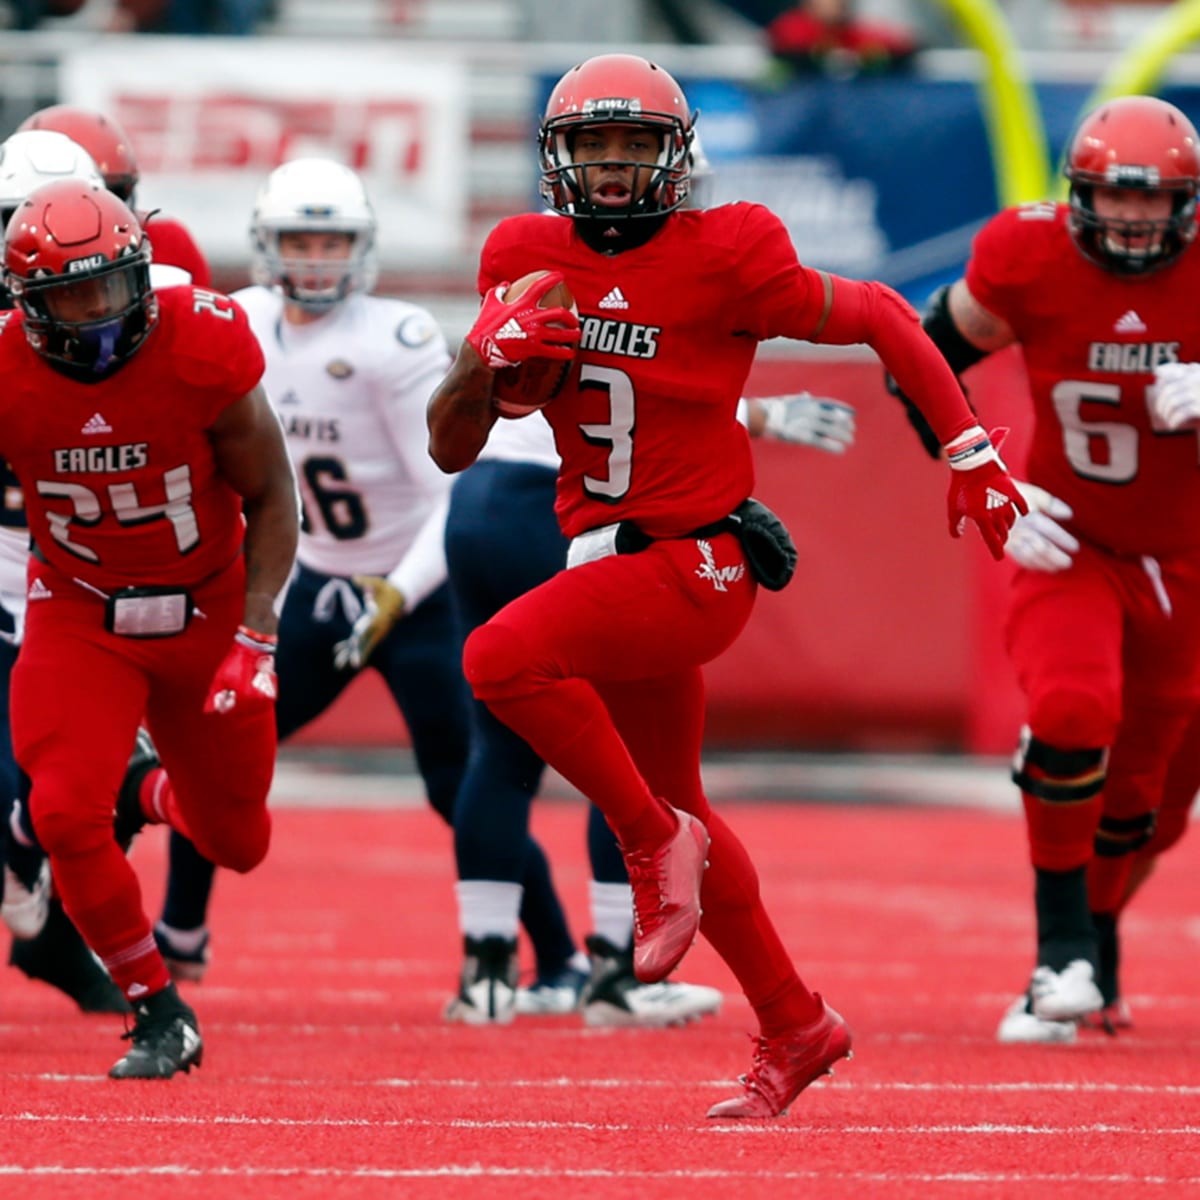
1103 663
78 696
599 670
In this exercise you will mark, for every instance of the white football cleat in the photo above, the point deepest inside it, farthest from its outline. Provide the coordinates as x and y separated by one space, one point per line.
1065 995
25 910
1020 1026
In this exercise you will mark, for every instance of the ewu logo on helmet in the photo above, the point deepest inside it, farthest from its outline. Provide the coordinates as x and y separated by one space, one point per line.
629 106
90 263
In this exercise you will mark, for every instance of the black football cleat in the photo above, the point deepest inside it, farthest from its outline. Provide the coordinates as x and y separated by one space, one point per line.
165 1037
60 957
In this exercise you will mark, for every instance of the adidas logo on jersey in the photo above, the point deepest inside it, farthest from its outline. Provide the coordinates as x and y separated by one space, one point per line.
1130 323
96 424
509 330
38 591
614 299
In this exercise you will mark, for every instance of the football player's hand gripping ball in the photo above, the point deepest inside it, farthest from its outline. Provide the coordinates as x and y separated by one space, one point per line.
509 332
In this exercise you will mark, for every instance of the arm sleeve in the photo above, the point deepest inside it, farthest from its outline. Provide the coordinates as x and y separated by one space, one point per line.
423 569
873 313
409 380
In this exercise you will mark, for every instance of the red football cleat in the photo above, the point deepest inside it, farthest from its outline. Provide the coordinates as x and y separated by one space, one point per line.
666 898
784 1066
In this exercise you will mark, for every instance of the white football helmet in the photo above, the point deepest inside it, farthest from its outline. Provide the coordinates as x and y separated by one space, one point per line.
35 157
701 193
314 195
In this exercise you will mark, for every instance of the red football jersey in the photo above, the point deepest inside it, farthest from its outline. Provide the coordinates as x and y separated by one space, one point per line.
119 478
646 422
1091 341
173 245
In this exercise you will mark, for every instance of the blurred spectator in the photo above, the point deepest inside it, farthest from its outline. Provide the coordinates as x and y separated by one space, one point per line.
230 17
29 14
827 36
688 26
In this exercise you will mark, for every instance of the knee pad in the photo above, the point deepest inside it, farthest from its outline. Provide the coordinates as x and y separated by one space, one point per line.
495 659
1117 836
1058 776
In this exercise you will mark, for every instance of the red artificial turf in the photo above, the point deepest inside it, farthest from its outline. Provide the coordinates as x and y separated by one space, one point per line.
329 1072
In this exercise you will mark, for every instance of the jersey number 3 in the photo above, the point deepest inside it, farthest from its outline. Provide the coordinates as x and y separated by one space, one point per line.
616 433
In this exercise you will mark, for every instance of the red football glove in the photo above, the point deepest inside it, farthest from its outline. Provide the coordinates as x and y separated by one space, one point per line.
246 677
505 334
981 489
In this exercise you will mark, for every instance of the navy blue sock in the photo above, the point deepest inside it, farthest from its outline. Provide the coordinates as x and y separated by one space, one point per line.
542 914
189 885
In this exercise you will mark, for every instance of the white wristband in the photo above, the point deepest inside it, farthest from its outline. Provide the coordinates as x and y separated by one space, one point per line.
971 449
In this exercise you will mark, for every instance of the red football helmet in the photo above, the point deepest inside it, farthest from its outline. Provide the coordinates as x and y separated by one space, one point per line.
1136 142
615 89
100 136
78 266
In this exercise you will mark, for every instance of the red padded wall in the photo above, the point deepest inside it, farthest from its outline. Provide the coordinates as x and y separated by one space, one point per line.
889 636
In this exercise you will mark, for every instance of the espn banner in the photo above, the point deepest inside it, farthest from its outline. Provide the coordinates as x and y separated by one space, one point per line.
210 118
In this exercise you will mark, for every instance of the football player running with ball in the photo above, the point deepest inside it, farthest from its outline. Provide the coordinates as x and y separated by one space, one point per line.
1104 616
599 668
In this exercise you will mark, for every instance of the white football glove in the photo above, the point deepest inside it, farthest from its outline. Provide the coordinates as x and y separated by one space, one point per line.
810 421
1177 394
1037 541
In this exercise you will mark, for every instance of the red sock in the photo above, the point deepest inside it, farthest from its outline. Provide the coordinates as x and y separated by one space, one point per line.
1107 881
736 923
1060 835
157 798
100 893
138 969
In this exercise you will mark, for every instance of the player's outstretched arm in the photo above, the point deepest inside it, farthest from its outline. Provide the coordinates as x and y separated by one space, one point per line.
981 490
965 332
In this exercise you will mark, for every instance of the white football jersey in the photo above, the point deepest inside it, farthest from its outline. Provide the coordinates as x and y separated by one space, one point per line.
527 440
350 390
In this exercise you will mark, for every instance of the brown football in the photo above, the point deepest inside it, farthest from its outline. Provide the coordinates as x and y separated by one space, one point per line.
518 391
